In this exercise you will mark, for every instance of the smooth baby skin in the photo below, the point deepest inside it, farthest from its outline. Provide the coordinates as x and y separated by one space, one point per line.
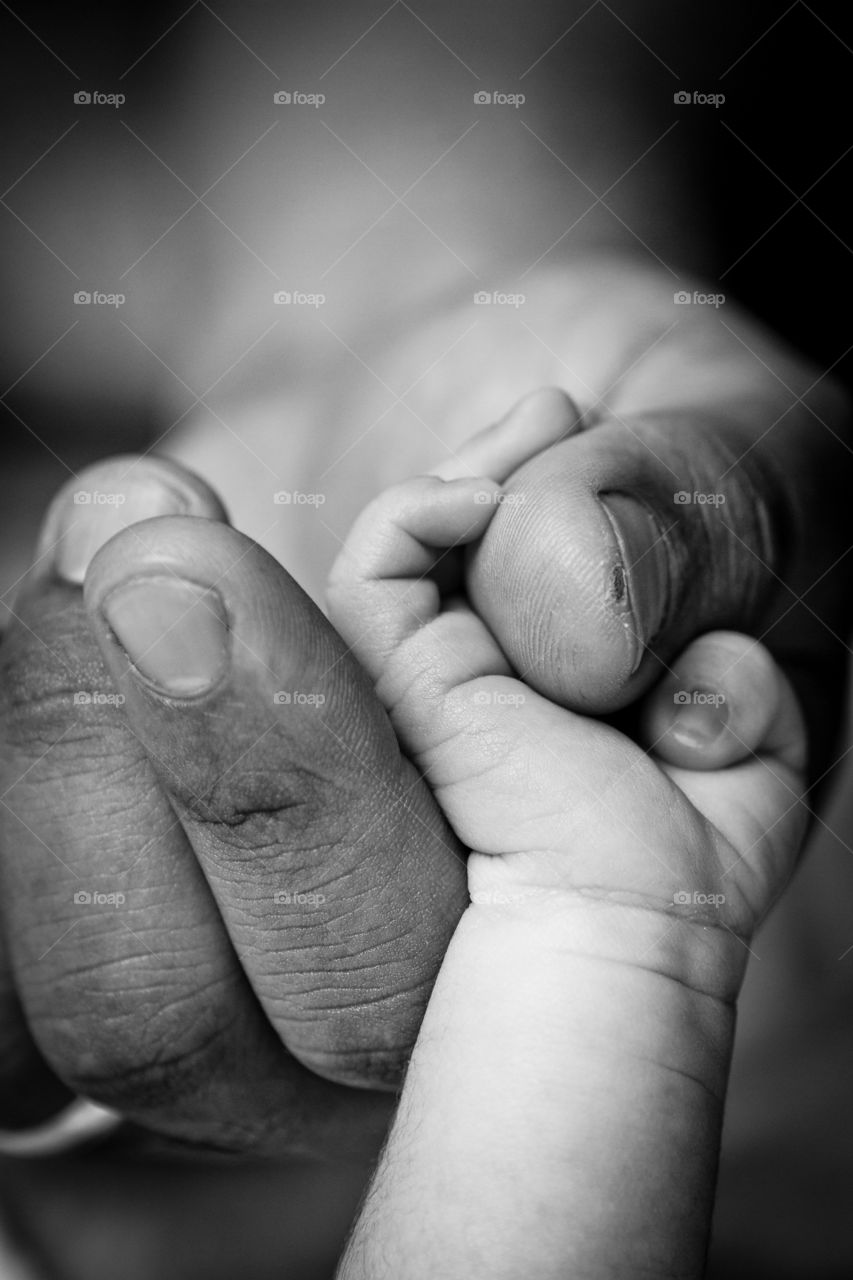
573 1061
548 800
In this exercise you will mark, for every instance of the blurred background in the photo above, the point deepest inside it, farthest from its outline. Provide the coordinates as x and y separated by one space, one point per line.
148 167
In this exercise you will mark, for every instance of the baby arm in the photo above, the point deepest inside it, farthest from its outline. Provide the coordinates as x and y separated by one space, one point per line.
564 1102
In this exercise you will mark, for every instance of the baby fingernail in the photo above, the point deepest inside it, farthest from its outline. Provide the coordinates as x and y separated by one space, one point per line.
174 632
699 716
83 519
641 584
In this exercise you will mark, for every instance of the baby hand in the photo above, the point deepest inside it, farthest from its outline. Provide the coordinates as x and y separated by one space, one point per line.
561 811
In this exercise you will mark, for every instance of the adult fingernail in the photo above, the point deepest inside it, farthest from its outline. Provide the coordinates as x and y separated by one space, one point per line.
84 518
174 632
699 716
641 584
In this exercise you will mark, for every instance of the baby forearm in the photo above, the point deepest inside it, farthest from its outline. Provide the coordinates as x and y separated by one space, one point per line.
561 1116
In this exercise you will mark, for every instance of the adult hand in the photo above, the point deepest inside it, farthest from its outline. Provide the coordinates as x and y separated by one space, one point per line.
221 879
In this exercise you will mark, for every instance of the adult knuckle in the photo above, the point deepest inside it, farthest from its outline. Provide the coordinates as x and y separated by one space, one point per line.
131 1058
